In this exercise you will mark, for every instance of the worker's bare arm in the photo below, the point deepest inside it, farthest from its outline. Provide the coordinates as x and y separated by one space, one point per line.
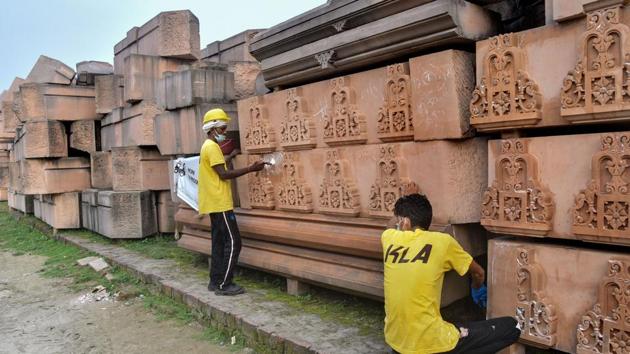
225 174
232 155
477 274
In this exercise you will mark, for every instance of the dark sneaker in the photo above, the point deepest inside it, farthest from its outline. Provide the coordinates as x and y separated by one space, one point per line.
230 290
212 287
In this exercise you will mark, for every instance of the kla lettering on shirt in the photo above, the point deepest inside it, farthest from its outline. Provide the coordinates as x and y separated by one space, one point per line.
399 254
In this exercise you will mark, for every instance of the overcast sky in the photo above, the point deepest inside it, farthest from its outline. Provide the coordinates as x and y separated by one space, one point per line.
78 30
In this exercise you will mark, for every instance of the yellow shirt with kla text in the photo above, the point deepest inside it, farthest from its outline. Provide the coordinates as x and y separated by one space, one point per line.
215 194
415 263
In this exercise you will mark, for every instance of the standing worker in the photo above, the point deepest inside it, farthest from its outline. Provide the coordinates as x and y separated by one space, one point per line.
415 262
215 199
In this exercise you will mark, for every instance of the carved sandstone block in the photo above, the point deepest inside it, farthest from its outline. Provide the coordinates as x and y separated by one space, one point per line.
41 139
60 211
530 281
83 135
55 102
189 87
38 176
138 169
441 86
50 71
142 76
259 134
109 93
101 167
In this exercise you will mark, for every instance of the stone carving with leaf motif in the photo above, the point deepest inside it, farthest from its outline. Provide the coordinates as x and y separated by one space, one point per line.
394 117
516 202
390 182
598 88
534 313
605 329
602 210
259 136
344 124
338 195
293 193
297 130
506 97
260 188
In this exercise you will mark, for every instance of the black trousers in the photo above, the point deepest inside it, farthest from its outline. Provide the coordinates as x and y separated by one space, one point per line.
226 246
487 337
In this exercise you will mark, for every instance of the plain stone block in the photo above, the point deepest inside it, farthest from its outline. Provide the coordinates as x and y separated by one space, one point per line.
137 169
166 210
83 135
143 73
194 86
21 202
9 118
89 209
87 71
50 71
126 214
41 139
172 34
60 211
441 87
56 102
232 49
296 287
39 176
130 126
101 166
109 93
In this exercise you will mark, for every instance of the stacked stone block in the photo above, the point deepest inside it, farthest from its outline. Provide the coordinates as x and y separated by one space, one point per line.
8 123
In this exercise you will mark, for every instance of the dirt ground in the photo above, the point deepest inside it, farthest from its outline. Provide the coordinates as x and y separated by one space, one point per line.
40 315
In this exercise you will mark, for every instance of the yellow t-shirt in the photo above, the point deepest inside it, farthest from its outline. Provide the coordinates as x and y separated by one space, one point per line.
415 263
215 194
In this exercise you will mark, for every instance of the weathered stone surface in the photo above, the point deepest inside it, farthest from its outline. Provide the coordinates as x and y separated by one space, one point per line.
21 202
130 126
169 34
41 139
37 176
246 80
181 89
527 274
60 211
55 102
87 71
4 194
441 86
138 169
50 71
9 118
166 210
233 49
101 167
119 214
179 131
143 73
83 135
341 36
109 92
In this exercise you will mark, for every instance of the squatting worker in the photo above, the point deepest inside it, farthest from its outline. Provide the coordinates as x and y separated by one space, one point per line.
415 263
215 198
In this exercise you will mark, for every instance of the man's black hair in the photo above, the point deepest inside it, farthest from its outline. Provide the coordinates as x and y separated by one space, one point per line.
417 208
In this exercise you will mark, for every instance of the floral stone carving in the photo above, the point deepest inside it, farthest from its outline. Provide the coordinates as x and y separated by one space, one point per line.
345 125
598 88
602 210
535 315
298 130
516 202
259 136
338 195
505 96
293 193
394 118
389 183
260 188
606 328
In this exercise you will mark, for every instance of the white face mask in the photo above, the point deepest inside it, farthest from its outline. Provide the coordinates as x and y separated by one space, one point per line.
219 137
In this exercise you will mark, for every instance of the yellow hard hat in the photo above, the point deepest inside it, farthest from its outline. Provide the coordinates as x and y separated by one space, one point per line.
215 114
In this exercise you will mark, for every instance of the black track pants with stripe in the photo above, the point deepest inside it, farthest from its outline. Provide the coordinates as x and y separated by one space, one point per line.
226 246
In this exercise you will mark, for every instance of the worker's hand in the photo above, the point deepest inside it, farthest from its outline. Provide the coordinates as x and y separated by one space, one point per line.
480 295
258 165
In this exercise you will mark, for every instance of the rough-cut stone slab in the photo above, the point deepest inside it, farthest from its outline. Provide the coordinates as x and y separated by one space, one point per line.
143 74
441 86
169 34
179 131
4 194
87 71
166 210
101 167
21 202
84 261
98 265
138 169
83 135
341 36
233 49
50 71
9 118
109 92
60 211
548 271
195 86
130 126
41 139
37 176
119 214
55 102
